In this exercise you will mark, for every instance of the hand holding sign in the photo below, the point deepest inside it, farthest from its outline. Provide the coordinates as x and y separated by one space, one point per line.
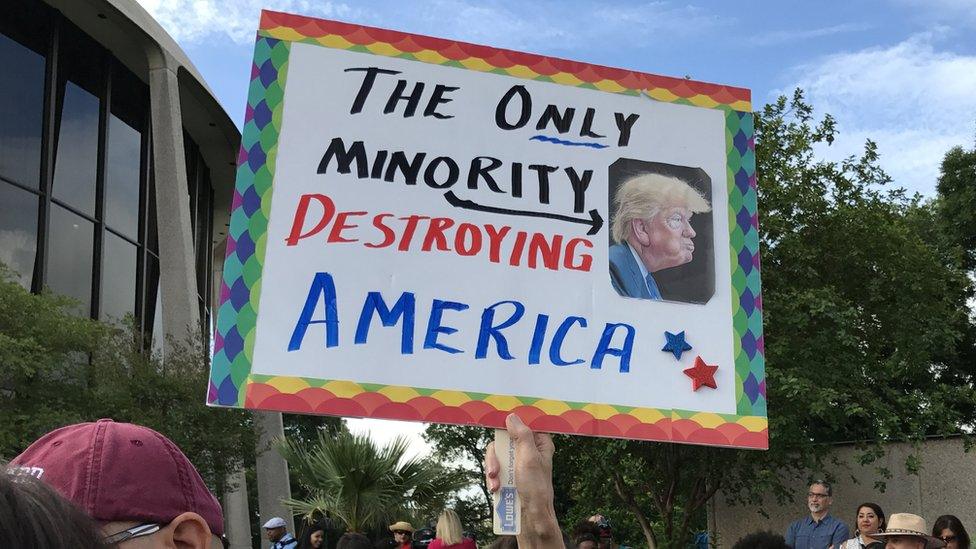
533 473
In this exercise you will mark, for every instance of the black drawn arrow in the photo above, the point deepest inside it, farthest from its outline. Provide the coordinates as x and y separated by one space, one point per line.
595 221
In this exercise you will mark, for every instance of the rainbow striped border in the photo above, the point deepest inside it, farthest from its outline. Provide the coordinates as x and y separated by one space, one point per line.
231 381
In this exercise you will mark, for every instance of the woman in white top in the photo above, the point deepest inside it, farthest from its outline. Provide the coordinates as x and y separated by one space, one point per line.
870 520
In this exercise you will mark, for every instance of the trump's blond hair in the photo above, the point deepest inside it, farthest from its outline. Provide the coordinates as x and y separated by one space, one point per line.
449 527
643 196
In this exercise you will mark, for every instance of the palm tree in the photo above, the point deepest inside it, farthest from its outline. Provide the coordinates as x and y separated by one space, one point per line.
364 487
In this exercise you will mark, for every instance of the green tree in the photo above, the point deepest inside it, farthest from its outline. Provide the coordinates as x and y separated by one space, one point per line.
957 201
364 487
464 448
952 220
57 369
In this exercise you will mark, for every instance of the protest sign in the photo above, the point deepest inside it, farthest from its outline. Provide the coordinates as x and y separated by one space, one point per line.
429 230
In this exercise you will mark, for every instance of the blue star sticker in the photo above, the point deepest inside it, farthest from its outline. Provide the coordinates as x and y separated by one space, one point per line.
676 344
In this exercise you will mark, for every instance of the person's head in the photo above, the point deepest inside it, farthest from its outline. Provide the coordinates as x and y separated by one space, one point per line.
603 530
449 529
907 531
586 533
351 540
32 514
275 528
653 214
402 531
819 497
313 535
761 540
869 519
949 529
133 481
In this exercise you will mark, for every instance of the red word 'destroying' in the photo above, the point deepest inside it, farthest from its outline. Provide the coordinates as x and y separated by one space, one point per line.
427 234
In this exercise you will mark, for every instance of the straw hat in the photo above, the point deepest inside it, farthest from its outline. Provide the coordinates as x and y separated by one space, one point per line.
907 524
402 525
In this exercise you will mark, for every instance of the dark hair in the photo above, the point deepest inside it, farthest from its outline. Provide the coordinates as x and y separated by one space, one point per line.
826 485
952 523
877 511
32 514
352 540
309 528
761 540
586 531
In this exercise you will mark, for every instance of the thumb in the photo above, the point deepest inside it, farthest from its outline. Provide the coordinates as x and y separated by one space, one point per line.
517 430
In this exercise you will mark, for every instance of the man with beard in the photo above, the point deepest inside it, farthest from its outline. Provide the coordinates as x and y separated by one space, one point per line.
819 530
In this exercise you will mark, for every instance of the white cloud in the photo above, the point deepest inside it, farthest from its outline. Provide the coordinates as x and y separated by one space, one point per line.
653 18
542 26
953 12
548 26
194 21
481 23
784 36
914 100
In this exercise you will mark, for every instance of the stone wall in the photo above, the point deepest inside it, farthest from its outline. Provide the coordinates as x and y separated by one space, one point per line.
946 484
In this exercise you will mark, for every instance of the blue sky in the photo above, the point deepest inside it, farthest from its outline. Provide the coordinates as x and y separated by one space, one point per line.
902 72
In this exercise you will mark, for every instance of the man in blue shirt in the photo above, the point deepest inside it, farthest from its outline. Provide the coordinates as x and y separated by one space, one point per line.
819 530
277 533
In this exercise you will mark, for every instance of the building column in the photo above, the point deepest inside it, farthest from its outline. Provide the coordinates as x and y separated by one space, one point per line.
272 469
236 513
177 268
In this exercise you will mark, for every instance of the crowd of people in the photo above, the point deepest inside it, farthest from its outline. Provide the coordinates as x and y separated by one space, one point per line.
873 530
107 484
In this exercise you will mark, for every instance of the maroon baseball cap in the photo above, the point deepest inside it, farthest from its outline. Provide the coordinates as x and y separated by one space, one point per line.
121 472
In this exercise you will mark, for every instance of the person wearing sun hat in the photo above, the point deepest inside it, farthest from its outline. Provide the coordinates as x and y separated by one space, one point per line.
402 534
908 531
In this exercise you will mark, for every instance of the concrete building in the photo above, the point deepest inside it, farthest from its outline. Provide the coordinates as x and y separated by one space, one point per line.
945 484
117 167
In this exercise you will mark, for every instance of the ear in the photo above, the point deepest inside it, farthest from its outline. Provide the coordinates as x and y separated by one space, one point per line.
190 531
638 227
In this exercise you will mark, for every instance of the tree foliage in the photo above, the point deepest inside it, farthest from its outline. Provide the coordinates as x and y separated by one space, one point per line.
957 201
57 369
464 448
351 480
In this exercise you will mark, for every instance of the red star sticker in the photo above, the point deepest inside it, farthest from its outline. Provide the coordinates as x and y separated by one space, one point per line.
702 374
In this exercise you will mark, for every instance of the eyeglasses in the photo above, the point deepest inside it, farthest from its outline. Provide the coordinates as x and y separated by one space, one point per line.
139 531
818 496
948 539
403 532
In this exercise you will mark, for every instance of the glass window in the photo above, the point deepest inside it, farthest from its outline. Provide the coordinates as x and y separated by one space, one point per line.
190 154
152 236
77 149
153 311
124 158
118 295
18 231
122 177
158 335
201 241
21 112
69 256
76 124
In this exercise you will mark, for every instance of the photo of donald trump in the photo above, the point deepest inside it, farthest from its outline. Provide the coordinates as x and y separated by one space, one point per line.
651 228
